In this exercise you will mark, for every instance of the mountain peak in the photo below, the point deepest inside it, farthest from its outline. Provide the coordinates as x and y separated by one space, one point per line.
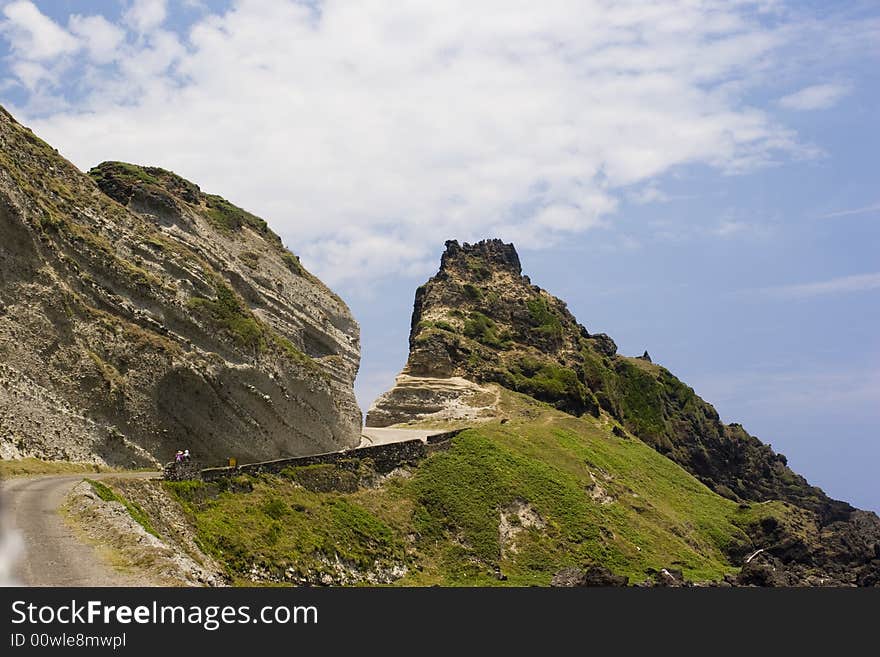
480 320
476 257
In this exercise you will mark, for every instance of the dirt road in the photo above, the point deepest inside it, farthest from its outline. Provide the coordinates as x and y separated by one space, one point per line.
384 435
54 555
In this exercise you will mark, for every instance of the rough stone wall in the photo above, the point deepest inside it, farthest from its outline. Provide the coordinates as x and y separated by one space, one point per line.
385 458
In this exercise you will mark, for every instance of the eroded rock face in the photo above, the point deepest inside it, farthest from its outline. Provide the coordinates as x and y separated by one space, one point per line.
139 315
418 399
479 319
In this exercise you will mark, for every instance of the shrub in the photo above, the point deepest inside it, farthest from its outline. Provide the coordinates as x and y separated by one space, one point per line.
293 263
472 292
250 259
228 217
544 318
551 383
483 330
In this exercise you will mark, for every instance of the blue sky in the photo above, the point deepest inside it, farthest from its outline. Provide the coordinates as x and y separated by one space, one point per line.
698 180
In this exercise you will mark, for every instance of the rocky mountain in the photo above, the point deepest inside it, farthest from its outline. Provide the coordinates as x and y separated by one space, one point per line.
479 321
139 315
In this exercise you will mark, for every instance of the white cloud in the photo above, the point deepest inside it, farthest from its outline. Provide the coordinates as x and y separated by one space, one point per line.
33 35
729 228
31 74
369 133
841 285
819 96
101 37
569 218
146 15
870 209
648 194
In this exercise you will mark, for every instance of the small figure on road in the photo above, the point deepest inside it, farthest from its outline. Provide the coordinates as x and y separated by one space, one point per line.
178 456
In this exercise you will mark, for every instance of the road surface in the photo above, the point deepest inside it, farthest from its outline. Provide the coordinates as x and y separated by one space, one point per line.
384 435
53 553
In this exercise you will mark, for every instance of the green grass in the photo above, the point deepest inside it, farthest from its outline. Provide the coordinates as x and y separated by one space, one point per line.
641 400
229 217
30 466
129 173
280 525
443 522
134 510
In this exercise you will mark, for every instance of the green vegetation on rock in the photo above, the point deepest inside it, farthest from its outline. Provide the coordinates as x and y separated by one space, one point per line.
482 329
472 292
550 383
229 313
293 263
543 318
250 259
134 510
536 346
228 217
130 173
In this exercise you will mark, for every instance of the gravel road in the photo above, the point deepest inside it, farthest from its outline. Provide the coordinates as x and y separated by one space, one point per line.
53 553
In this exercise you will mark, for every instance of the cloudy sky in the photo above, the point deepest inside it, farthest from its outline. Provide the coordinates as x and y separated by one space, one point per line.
698 178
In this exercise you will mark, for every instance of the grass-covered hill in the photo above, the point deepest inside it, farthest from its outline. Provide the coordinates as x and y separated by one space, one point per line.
508 503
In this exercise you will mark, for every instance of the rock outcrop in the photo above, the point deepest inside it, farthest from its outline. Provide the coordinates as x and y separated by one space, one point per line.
419 399
139 315
479 319
593 576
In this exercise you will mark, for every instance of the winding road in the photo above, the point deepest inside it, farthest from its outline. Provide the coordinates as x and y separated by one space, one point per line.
53 553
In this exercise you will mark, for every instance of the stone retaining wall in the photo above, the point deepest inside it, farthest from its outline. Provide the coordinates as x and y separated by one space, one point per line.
385 458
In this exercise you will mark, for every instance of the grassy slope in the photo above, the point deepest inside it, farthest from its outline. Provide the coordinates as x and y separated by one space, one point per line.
443 521
31 466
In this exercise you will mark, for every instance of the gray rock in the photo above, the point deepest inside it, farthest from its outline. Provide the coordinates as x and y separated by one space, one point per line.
157 317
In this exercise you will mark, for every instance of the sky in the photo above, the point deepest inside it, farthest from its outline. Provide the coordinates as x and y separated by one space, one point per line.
694 178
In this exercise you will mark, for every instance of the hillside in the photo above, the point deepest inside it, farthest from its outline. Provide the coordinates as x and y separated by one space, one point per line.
509 503
479 319
139 315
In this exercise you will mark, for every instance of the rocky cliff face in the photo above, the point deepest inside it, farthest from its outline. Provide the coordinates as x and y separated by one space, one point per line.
481 320
139 315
